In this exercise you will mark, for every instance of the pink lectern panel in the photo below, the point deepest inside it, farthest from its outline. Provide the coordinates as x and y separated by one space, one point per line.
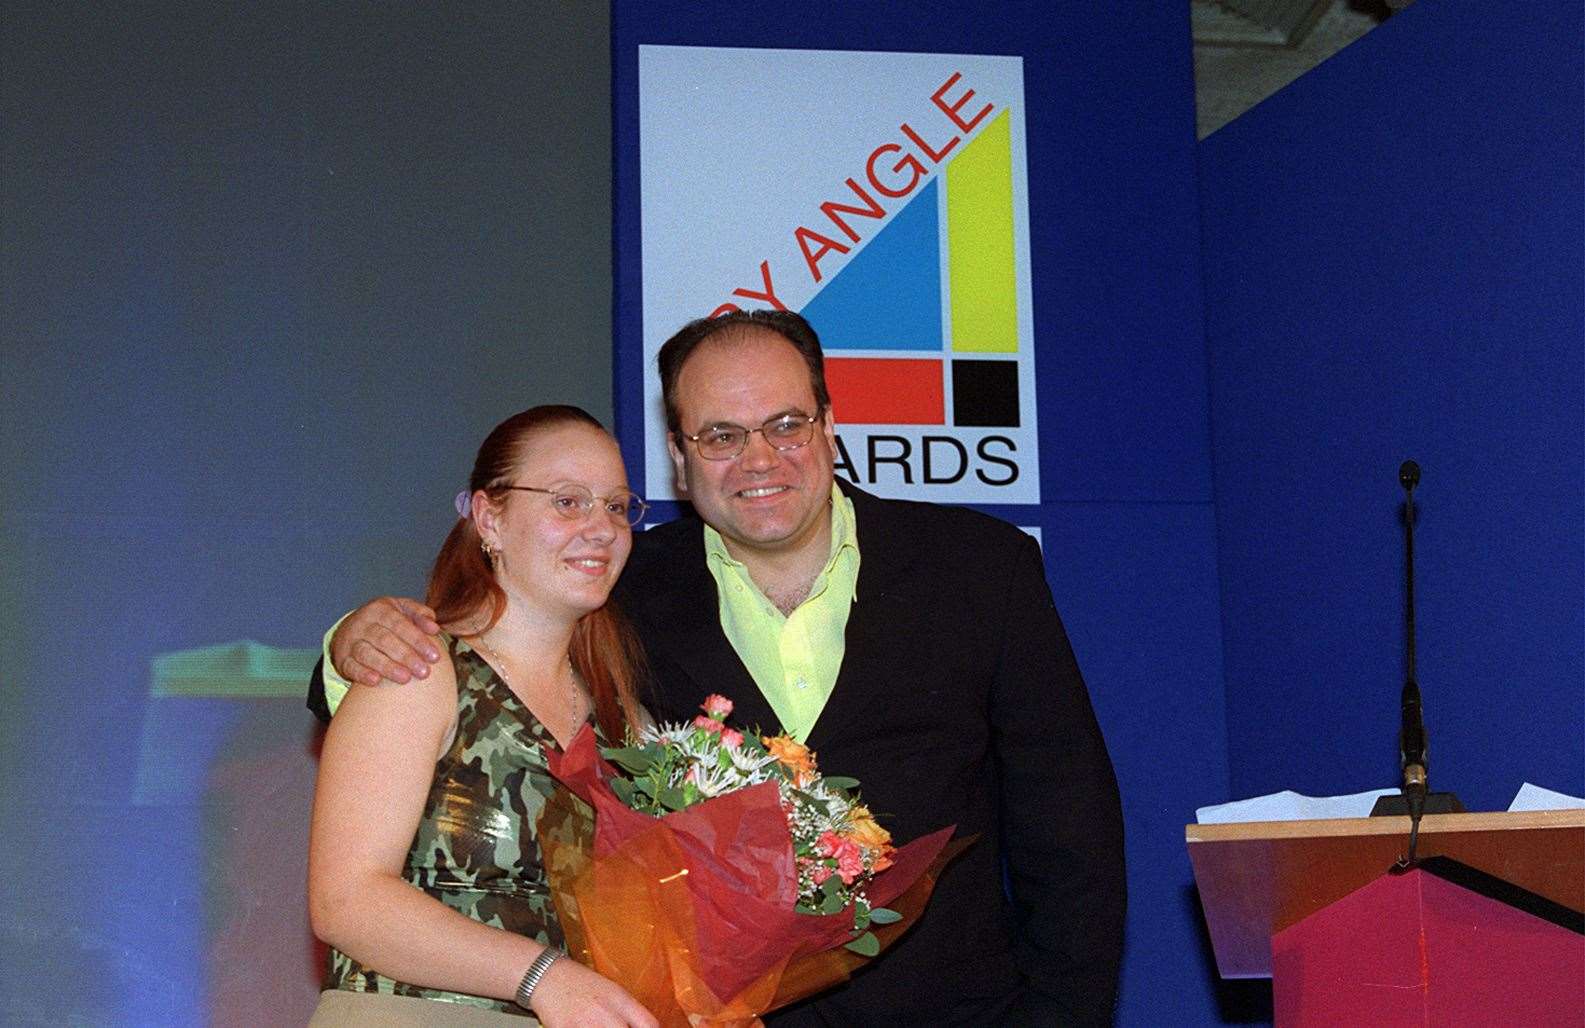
1415 950
1256 879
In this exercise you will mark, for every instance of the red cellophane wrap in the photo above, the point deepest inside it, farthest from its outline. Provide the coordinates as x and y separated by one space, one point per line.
693 912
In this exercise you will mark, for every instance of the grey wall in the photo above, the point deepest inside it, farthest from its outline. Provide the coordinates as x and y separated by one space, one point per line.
268 273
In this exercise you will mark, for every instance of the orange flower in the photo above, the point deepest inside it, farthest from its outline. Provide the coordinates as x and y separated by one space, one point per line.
794 755
870 835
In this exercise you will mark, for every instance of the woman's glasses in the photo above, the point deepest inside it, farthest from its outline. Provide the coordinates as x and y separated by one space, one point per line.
574 502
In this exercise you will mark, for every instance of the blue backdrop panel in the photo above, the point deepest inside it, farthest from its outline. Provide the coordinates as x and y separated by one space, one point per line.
1133 582
1114 233
1393 256
1125 468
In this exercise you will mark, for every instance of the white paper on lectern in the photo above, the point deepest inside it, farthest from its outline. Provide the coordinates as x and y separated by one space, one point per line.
1533 797
1290 806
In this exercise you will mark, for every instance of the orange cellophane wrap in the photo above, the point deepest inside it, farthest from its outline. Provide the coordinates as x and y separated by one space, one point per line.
693 912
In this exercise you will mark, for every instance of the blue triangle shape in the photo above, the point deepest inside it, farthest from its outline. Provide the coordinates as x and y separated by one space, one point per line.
888 297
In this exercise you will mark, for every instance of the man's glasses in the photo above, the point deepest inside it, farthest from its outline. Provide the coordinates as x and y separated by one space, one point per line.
723 442
574 501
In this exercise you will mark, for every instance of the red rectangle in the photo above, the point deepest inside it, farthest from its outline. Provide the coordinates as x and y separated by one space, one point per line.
886 391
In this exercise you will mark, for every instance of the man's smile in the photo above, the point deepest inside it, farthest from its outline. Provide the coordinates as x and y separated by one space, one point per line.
762 491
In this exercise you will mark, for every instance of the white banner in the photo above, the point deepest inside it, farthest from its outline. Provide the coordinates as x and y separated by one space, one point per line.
884 196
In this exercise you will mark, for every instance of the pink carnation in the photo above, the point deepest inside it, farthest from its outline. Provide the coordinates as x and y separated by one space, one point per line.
850 859
850 864
731 738
717 706
709 724
820 874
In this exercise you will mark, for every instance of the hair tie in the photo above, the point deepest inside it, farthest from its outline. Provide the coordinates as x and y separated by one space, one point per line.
464 504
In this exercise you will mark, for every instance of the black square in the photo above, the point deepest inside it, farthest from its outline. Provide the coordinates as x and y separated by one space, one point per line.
985 394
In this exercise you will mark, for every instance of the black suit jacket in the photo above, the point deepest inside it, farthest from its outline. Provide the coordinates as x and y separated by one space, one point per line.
958 702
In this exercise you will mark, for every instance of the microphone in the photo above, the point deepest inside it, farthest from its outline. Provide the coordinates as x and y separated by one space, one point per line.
1411 738
1413 797
1411 749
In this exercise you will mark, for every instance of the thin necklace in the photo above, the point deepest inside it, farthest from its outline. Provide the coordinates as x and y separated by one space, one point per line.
574 707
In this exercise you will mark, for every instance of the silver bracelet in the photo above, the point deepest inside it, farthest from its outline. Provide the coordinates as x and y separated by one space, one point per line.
536 972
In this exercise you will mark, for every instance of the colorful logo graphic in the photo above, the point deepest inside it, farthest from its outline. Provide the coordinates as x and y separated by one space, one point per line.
894 219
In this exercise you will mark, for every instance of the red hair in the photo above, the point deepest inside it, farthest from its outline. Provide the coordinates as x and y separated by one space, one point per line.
604 650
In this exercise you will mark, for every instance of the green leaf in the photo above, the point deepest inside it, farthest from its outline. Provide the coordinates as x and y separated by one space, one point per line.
840 782
865 945
623 789
673 799
831 903
635 760
881 915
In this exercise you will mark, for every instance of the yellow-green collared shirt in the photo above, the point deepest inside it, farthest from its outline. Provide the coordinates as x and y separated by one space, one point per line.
336 687
793 658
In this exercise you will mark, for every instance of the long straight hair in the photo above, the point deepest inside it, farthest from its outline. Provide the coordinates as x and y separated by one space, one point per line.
604 650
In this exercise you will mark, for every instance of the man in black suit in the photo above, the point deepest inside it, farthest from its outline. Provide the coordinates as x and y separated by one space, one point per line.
913 646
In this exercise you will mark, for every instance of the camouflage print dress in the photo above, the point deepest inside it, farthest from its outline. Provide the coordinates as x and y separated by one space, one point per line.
475 849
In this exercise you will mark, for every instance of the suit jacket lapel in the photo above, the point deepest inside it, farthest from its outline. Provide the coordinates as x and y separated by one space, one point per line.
697 648
875 622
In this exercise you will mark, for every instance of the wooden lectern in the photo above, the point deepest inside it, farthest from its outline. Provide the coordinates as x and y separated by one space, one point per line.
1486 931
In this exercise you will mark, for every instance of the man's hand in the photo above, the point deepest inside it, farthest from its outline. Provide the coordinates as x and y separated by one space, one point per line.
390 639
571 994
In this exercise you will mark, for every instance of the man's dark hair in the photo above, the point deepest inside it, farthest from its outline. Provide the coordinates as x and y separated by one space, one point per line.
791 327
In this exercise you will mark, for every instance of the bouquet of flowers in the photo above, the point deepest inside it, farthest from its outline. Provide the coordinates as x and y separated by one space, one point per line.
724 875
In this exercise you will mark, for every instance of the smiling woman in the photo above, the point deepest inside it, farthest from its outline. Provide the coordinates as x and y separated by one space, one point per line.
425 873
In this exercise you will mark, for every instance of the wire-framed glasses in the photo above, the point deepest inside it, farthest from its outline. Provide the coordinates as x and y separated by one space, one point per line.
574 501
783 432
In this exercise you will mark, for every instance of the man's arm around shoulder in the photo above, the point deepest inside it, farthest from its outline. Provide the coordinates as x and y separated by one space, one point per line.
389 639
